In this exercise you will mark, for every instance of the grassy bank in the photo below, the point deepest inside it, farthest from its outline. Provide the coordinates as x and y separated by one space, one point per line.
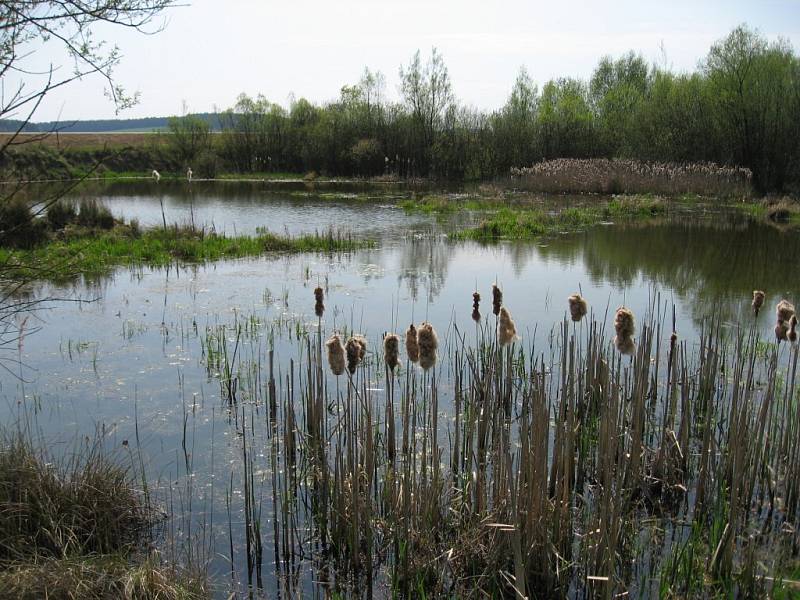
93 252
506 219
78 528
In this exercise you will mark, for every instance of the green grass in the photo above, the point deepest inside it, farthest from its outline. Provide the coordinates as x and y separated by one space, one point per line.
93 252
531 223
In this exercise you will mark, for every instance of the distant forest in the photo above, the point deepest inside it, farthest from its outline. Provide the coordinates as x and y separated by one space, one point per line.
741 107
101 125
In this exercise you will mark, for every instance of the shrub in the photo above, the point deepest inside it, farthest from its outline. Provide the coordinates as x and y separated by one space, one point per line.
207 164
18 227
93 214
60 214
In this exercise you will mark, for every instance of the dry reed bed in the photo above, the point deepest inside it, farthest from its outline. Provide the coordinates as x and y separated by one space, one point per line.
614 176
573 469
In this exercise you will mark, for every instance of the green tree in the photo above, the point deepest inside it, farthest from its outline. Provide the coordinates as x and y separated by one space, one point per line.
616 89
428 93
756 87
190 135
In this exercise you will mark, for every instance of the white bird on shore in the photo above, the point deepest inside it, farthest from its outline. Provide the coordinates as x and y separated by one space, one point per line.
189 173
156 175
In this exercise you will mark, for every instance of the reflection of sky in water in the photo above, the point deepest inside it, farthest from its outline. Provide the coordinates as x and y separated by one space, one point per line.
142 337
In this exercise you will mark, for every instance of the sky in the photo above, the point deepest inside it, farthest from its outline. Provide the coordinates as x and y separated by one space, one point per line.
210 51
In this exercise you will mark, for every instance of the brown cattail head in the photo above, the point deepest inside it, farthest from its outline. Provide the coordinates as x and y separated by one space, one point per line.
497 299
624 323
624 345
476 301
356 348
673 339
793 329
476 315
335 355
758 300
781 330
578 307
319 305
412 344
506 329
428 343
784 310
391 349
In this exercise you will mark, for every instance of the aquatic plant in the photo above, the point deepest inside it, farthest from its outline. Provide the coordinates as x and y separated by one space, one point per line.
356 349
578 307
476 304
319 304
336 354
506 328
391 349
497 299
793 329
617 176
412 344
624 325
784 311
758 300
428 344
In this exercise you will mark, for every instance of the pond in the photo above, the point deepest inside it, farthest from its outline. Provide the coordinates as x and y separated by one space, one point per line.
139 350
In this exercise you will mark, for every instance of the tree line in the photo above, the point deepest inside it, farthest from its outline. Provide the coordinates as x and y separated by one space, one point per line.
740 107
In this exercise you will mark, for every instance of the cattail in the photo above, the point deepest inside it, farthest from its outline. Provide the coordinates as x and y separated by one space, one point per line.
476 306
391 348
319 305
578 307
624 345
784 310
412 344
335 355
758 300
506 329
428 343
625 325
793 329
356 348
362 343
780 331
497 299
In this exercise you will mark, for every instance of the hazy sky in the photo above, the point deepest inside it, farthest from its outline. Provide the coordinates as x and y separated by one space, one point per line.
212 50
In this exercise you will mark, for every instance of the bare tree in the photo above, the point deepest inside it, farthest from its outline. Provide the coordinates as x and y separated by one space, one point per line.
69 26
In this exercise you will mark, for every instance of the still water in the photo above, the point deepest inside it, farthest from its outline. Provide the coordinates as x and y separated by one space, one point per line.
131 349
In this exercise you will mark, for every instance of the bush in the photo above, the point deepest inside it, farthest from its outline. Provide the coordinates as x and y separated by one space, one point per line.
368 158
60 214
93 214
207 164
18 227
